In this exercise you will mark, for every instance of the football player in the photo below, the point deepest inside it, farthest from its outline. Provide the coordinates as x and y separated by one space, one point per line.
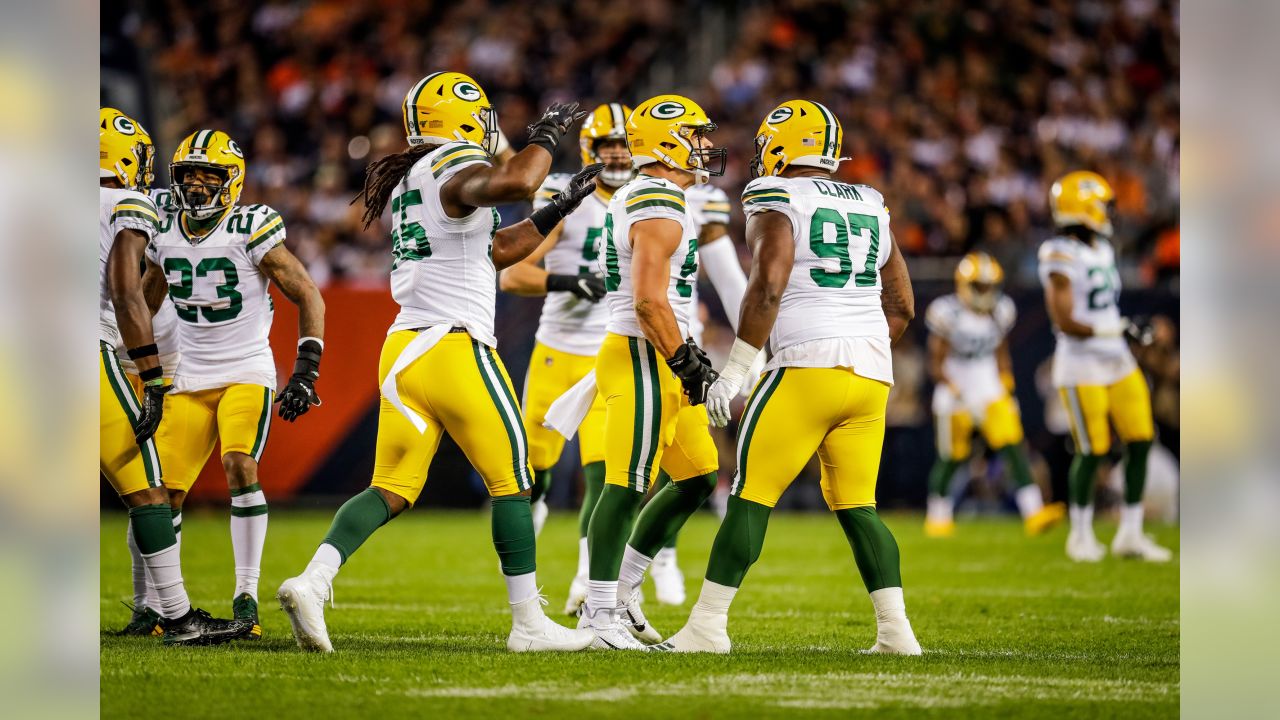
216 258
1095 373
439 372
829 292
973 375
128 456
573 320
650 260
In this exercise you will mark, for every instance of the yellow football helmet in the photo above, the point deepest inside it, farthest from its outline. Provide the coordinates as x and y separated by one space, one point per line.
661 130
798 132
211 150
1082 198
607 122
125 150
447 106
978 281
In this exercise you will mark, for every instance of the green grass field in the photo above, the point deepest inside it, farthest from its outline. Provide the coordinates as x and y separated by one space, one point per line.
1009 626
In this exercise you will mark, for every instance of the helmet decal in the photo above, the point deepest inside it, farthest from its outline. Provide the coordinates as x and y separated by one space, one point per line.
123 125
667 110
467 91
782 114
234 149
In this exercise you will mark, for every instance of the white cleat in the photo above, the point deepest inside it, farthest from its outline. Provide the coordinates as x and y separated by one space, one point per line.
895 637
539 511
668 581
577 595
302 598
704 633
608 632
533 631
1084 547
632 618
1134 544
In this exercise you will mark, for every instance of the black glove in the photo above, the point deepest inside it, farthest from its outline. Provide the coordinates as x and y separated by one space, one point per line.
586 287
300 393
152 409
562 203
1140 330
553 124
691 367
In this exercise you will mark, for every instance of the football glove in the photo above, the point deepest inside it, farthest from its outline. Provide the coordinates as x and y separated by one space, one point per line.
152 409
566 201
1141 331
299 394
727 386
554 123
694 372
586 287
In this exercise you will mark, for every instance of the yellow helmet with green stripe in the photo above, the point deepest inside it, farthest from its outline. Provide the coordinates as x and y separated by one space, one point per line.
1082 198
797 132
606 122
204 154
978 281
444 107
672 130
125 150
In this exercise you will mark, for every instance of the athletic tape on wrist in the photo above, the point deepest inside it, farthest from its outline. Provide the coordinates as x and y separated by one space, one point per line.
143 351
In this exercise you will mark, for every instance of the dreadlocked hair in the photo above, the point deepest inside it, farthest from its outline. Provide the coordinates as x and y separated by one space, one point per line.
382 176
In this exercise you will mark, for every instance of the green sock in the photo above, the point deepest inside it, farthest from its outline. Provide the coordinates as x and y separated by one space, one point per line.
1135 470
356 520
593 480
513 534
874 549
941 474
738 543
1084 470
152 527
667 512
541 484
1019 469
611 523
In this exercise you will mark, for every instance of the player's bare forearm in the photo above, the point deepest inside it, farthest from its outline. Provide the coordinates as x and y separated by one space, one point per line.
487 186
155 288
773 254
658 323
288 273
896 296
938 349
132 316
653 242
525 277
1004 361
1057 299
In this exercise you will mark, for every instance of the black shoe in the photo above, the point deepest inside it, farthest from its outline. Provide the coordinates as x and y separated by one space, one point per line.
199 628
244 607
145 622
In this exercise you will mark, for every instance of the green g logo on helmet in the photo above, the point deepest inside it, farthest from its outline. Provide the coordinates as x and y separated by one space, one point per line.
782 114
124 125
467 91
667 110
234 149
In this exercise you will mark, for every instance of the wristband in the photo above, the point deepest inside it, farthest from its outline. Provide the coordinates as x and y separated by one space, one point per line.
151 374
143 351
561 283
308 361
741 357
546 218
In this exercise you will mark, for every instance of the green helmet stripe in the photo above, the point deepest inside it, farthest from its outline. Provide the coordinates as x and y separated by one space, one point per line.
829 134
411 100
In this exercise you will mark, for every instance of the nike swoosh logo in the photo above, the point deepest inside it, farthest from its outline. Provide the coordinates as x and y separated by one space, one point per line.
639 626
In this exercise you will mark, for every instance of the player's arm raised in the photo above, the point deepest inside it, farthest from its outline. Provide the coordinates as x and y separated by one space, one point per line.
133 317
773 253
288 274
514 243
896 296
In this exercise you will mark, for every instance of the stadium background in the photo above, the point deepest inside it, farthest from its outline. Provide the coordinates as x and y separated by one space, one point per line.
961 113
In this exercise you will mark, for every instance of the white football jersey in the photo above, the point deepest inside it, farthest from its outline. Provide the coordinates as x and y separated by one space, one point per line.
442 268
709 205
220 296
830 314
1095 295
118 210
972 338
569 323
648 198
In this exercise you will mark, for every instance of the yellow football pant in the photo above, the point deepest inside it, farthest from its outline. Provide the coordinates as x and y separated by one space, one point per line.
129 467
236 416
649 424
1001 427
1127 403
460 387
794 411
551 374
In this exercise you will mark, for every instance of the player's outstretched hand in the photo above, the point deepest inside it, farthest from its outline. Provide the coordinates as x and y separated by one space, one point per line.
696 376
297 397
152 409
553 124
579 187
